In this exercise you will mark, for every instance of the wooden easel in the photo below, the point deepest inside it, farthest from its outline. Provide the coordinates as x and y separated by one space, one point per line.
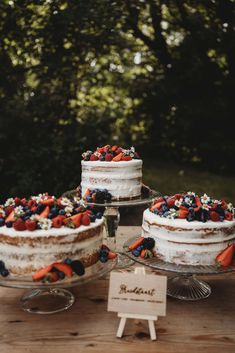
125 316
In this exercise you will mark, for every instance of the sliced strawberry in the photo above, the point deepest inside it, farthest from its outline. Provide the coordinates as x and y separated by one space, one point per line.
61 266
225 257
45 212
10 217
118 157
85 219
114 148
142 254
126 158
137 243
112 255
34 209
62 217
183 213
30 225
228 216
41 273
73 221
48 202
57 222
214 216
157 205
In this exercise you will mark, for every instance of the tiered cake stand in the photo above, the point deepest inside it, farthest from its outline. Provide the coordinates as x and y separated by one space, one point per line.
112 217
50 298
184 286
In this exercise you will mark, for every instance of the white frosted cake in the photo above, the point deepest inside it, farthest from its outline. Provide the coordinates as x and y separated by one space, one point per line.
115 169
188 229
43 230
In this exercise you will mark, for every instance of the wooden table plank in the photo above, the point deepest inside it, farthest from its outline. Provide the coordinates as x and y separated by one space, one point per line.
207 325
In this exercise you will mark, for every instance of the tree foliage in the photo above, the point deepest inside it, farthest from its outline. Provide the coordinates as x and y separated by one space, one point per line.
158 74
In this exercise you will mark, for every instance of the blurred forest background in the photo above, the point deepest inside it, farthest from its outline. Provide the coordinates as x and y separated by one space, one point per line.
156 74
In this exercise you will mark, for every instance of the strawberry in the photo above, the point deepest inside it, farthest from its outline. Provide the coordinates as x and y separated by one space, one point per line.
119 150
93 157
107 148
223 204
178 196
214 216
9 209
183 213
108 157
100 149
118 157
41 273
85 219
198 203
30 225
114 148
34 209
62 217
184 208
61 266
225 257
31 203
11 217
73 221
137 243
19 224
45 212
48 202
88 212
112 255
171 201
126 158
57 222
228 216
17 201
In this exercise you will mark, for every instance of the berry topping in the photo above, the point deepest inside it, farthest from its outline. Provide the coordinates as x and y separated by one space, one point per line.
108 153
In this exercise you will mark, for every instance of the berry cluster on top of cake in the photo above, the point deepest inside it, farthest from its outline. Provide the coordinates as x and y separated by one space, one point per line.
189 229
113 168
43 229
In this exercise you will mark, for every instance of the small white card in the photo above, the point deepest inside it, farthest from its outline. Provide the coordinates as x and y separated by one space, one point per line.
143 294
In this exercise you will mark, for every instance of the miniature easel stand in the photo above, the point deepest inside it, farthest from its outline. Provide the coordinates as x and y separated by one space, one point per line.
150 318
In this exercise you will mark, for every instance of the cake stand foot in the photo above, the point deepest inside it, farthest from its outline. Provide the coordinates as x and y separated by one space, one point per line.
188 288
47 301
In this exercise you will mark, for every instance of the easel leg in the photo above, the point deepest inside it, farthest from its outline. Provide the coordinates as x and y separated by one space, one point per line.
121 326
152 330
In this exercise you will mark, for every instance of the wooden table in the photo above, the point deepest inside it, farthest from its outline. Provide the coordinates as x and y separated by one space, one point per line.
206 326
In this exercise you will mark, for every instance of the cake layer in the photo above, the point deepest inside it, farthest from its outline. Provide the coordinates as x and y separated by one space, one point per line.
182 242
25 252
122 179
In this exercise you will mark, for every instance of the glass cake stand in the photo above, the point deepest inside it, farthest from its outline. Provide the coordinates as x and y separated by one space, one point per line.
112 218
184 286
51 298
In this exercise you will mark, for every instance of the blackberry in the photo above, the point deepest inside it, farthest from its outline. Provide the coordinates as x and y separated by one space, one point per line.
148 243
78 267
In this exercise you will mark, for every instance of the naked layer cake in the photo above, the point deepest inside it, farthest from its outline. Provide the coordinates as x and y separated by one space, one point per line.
113 168
189 229
42 230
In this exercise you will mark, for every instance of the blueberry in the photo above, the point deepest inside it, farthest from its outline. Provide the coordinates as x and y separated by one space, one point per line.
103 259
40 208
221 217
99 215
166 213
2 222
28 213
25 218
78 267
62 212
102 158
92 218
164 208
9 224
140 248
190 217
61 275
4 272
54 210
135 252
68 261
2 265
26 208
103 252
149 243
51 215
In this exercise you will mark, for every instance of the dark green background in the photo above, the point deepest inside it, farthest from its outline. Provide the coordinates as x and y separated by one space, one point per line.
158 75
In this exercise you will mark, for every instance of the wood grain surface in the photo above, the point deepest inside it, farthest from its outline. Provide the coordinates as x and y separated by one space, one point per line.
206 326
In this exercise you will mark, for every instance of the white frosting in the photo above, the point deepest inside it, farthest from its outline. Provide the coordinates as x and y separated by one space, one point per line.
191 243
39 255
122 179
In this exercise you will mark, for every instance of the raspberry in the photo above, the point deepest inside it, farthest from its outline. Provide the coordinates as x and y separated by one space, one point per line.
108 157
17 201
214 216
30 225
19 225
57 222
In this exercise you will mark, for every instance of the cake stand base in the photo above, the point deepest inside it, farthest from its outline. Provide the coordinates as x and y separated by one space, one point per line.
47 301
186 287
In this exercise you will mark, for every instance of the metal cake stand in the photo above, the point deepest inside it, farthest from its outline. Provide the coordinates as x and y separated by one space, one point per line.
186 285
111 213
51 298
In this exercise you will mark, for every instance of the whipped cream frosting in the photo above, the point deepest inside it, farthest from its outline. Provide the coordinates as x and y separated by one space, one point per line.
122 179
